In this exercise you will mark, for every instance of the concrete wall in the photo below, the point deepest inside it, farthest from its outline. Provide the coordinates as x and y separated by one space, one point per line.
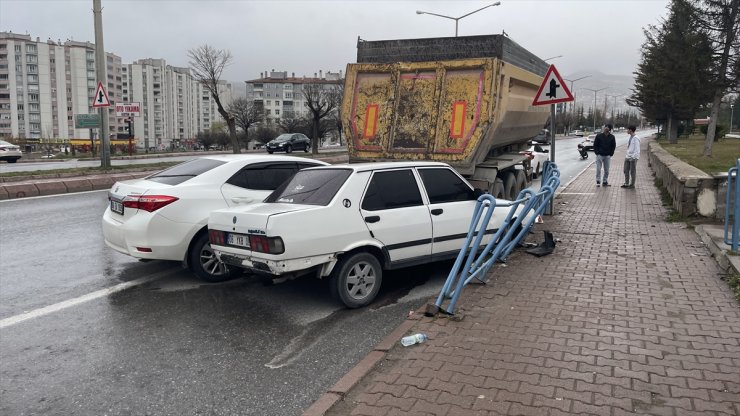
694 192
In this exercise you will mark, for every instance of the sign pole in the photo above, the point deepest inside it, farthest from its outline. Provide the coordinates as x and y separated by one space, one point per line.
550 210
100 71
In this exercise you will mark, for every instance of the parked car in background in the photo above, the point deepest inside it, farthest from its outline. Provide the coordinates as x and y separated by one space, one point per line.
538 155
350 223
9 152
164 216
577 133
543 137
288 142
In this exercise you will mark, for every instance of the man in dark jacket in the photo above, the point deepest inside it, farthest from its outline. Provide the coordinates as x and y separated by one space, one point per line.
604 145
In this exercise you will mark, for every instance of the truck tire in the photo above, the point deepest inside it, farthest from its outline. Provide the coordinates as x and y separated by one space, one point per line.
498 189
510 191
521 181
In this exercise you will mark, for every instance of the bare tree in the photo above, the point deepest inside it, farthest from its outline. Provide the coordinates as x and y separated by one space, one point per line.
321 99
291 122
207 64
246 113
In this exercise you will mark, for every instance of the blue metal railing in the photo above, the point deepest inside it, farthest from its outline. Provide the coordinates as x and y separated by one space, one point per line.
732 237
506 238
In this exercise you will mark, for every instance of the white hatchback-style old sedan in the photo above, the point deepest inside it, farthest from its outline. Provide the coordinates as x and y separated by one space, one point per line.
351 222
164 216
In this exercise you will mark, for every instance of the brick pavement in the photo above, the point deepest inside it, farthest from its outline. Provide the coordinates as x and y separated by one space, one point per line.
627 316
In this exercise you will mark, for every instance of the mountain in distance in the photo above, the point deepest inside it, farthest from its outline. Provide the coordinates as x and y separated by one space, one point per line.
620 85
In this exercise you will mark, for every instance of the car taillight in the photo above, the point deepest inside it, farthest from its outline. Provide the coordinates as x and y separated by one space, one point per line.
217 237
148 203
528 154
269 245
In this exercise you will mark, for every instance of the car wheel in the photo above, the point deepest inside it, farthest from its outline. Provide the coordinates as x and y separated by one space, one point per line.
269 151
536 172
356 280
12 160
205 265
306 148
288 149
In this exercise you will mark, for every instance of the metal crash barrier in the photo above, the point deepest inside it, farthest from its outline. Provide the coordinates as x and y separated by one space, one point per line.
516 225
732 204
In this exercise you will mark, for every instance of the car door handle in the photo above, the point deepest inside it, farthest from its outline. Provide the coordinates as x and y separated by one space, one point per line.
372 218
437 211
242 200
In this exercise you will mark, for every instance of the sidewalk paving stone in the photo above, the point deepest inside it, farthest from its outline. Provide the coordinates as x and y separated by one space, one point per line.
628 315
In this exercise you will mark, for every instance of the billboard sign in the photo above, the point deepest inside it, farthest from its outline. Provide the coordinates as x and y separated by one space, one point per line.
128 110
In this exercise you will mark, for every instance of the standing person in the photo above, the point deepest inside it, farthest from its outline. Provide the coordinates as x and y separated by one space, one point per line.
604 145
633 155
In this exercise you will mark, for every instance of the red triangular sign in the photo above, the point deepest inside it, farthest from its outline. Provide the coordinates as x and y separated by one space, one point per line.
553 90
101 97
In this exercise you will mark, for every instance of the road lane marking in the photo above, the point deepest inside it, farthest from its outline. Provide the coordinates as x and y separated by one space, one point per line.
46 310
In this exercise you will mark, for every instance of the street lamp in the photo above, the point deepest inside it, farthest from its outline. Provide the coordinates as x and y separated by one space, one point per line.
572 81
552 57
458 18
614 106
595 91
732 110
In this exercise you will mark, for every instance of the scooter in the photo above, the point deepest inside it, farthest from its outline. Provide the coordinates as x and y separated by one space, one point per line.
582 150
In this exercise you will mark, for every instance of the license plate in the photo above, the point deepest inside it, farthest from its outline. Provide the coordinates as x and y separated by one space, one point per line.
240 240
116 206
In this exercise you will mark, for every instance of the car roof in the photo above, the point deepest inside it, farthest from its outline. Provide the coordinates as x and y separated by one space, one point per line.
370 166
256 158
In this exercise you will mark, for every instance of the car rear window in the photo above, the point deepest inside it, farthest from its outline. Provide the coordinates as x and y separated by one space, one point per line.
184 171
311 187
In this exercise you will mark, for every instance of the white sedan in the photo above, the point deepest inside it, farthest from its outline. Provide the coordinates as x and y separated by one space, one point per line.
537 155
164 216
351 222
9 152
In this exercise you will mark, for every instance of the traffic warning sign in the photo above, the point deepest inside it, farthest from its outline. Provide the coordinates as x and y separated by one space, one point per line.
553 90
101 97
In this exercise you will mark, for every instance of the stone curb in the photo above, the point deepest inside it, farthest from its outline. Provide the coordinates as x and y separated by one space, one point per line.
29 188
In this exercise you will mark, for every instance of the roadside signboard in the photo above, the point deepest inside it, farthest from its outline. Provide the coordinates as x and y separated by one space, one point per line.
128 109
101 97
553 90
87 121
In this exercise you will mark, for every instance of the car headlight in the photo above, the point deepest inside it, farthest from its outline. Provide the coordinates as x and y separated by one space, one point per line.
281 144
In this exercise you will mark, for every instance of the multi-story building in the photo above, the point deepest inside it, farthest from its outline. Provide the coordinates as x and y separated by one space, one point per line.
43 85
282 96
174 106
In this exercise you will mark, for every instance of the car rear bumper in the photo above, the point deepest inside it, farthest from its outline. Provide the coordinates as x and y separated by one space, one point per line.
167 240
272 267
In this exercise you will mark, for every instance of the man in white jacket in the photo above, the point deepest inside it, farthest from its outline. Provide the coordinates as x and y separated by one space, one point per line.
630 161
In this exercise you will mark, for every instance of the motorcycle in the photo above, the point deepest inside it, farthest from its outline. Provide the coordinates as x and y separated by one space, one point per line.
582 150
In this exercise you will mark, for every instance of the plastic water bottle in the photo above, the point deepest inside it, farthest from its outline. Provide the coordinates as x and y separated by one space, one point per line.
413 339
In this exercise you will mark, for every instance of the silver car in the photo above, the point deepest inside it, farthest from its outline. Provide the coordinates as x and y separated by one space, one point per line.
9 152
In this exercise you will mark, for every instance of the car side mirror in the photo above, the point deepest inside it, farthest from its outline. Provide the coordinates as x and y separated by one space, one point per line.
545 150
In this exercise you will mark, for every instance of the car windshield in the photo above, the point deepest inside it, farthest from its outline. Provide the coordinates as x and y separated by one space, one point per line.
283 138
311 187
184 171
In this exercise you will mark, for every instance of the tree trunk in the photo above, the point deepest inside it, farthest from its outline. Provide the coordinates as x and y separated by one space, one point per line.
315 138
672 130
232 135
712 127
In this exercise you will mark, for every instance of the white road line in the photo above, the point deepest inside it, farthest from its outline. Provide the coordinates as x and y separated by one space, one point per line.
36 313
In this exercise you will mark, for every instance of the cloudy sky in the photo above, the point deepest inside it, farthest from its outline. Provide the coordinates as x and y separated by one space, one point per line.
305 36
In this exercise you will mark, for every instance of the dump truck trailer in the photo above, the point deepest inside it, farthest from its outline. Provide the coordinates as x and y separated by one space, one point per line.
466 101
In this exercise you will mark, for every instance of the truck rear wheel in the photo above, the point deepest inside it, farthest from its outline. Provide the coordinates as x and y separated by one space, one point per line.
521 181
510 186
498 189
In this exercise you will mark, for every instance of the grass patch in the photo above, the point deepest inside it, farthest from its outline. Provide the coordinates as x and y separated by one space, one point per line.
667 201
690 149
734 283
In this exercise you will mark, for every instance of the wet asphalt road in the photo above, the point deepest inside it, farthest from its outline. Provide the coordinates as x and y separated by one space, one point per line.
168 345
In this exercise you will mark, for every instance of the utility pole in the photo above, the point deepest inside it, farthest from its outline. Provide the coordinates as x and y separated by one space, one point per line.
100 72
595 91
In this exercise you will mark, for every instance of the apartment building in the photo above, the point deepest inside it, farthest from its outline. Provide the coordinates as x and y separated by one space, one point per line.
282 96
174 106
43 85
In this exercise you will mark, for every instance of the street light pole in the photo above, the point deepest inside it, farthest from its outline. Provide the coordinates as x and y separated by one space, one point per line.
614 106
572 81
456 19
732 110
552 57
595 91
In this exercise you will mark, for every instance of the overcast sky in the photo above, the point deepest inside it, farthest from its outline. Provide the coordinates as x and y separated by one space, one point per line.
305 36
